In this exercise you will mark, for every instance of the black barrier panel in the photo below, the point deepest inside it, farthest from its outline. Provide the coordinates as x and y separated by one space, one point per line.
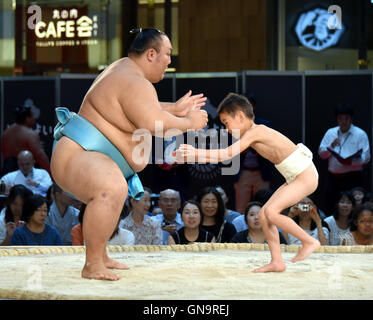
40 95
72 92
164 90
279 101
323 93
214 88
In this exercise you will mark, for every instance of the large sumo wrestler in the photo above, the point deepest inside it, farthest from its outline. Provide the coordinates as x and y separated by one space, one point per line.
92 157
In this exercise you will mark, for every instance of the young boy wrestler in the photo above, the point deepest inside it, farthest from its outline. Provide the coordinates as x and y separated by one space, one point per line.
294 162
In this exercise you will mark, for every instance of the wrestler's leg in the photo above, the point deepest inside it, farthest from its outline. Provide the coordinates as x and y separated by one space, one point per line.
270 217
97 181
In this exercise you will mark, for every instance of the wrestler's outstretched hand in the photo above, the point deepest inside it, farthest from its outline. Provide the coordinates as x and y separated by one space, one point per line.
185 153
188 103
198 118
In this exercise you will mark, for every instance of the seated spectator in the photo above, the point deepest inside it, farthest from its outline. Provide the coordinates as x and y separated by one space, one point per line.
11 214
262 196
37 180
213 210
254 234
358 193
145 229
306 215
361 227
170 218
119 237
368 198
339 222
35 232
62 215
229 215
192 231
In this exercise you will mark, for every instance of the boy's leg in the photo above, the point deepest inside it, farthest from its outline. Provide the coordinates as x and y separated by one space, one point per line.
286 196
272 236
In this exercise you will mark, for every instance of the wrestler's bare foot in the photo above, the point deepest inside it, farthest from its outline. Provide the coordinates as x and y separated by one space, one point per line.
113 264
271 267
98 271
306 250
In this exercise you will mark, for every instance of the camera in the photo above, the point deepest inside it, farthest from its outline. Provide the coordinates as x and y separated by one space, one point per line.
304 207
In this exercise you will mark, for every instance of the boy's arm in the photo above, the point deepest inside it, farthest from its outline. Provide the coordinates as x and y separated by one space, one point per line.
188 153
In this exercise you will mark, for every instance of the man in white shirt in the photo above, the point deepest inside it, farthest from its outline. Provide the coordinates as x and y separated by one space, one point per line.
170 219
37 180
338 145
62 215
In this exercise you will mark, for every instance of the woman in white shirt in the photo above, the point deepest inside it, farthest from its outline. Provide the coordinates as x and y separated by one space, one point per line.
11 215
339 222
306 215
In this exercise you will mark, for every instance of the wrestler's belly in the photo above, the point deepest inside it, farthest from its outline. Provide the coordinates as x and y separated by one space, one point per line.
135 150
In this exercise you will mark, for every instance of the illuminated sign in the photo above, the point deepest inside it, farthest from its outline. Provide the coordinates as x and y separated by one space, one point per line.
67 28
319 29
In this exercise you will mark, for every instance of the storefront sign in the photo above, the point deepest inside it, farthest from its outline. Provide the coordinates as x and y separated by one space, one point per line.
67 27
320 29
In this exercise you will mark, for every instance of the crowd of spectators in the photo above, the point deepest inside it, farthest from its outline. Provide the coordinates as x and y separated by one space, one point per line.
27 219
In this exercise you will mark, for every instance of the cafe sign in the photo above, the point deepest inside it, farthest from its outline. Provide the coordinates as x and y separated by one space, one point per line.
66 27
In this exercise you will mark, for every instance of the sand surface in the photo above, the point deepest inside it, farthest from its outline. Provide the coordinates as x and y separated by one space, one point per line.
175 274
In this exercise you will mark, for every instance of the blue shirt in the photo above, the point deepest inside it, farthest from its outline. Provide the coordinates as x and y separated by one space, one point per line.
23 236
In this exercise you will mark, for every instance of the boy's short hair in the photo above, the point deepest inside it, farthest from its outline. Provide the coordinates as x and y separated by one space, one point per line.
233 103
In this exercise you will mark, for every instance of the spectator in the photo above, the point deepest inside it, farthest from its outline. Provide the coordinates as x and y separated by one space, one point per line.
62 215
306 215
192 231
255 171
11 215
361 227
213 210
119 237
35 232
344 141
229 215
358 193
254 233
262 196
145 229
21 136
340 220
170 219
37 180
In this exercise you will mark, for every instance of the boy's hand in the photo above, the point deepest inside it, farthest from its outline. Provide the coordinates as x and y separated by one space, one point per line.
185 153
188 103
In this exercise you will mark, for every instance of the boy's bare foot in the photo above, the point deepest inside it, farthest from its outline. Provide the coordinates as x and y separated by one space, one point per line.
271 267
306 250
99 272
113 264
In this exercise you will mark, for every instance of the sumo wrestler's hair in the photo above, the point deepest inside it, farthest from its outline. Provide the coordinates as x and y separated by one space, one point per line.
146 39
233 103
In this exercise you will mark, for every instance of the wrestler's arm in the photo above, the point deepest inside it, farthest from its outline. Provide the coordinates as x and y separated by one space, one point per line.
143 109
186 103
